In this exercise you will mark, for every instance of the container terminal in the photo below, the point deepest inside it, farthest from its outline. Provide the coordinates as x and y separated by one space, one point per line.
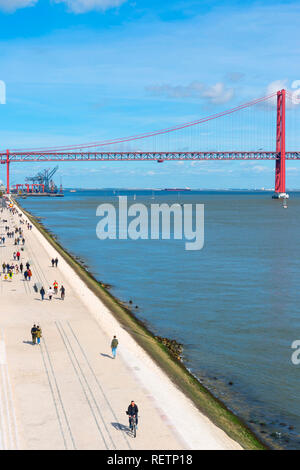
41 184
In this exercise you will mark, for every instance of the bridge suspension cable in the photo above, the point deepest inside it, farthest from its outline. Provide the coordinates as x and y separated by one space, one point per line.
149 134
252 135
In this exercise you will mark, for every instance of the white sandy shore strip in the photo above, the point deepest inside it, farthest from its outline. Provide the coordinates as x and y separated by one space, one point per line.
193 429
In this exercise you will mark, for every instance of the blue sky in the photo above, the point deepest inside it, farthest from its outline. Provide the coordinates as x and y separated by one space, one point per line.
85 70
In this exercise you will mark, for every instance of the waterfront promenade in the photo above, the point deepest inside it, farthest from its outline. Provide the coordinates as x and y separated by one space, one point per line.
67 392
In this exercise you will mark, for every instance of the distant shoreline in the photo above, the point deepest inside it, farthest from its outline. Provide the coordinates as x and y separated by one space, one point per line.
261 190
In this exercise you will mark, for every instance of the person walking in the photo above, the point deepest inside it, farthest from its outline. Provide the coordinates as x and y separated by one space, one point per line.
42 292
38 334
34 334
50 293
114 345
29 274
52 262
62 292
55 287
56 262
21 268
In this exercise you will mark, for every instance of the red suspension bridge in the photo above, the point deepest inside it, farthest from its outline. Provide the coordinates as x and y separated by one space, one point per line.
125 149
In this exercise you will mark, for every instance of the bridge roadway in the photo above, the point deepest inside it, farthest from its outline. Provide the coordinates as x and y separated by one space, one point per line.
85 156
68 393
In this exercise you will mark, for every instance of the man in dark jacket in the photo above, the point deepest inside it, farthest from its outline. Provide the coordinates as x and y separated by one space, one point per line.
132 411
42 292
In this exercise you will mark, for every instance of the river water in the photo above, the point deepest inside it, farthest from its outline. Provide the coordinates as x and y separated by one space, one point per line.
234 305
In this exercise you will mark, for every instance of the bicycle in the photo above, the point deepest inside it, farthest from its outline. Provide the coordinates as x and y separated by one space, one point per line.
132 424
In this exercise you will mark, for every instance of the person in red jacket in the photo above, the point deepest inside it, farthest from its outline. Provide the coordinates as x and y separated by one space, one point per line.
55 287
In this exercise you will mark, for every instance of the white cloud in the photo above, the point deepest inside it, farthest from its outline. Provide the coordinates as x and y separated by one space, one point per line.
83 6
292 169
216 94
194 89
260 169
10 6
275 86
278 85
75 6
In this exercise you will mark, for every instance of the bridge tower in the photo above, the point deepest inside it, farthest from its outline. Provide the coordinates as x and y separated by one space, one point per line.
280 148
7 172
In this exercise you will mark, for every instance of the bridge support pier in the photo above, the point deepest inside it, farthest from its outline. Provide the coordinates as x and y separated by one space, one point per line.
280 148
7 172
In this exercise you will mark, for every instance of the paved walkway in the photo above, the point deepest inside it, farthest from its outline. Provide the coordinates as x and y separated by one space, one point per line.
68 393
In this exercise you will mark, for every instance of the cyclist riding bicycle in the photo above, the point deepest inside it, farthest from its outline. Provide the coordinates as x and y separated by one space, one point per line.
132 411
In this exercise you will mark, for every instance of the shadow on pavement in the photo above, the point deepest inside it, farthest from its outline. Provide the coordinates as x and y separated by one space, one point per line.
106 355
121 427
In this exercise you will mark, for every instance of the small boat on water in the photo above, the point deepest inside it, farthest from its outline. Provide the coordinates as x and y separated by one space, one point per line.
177 189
